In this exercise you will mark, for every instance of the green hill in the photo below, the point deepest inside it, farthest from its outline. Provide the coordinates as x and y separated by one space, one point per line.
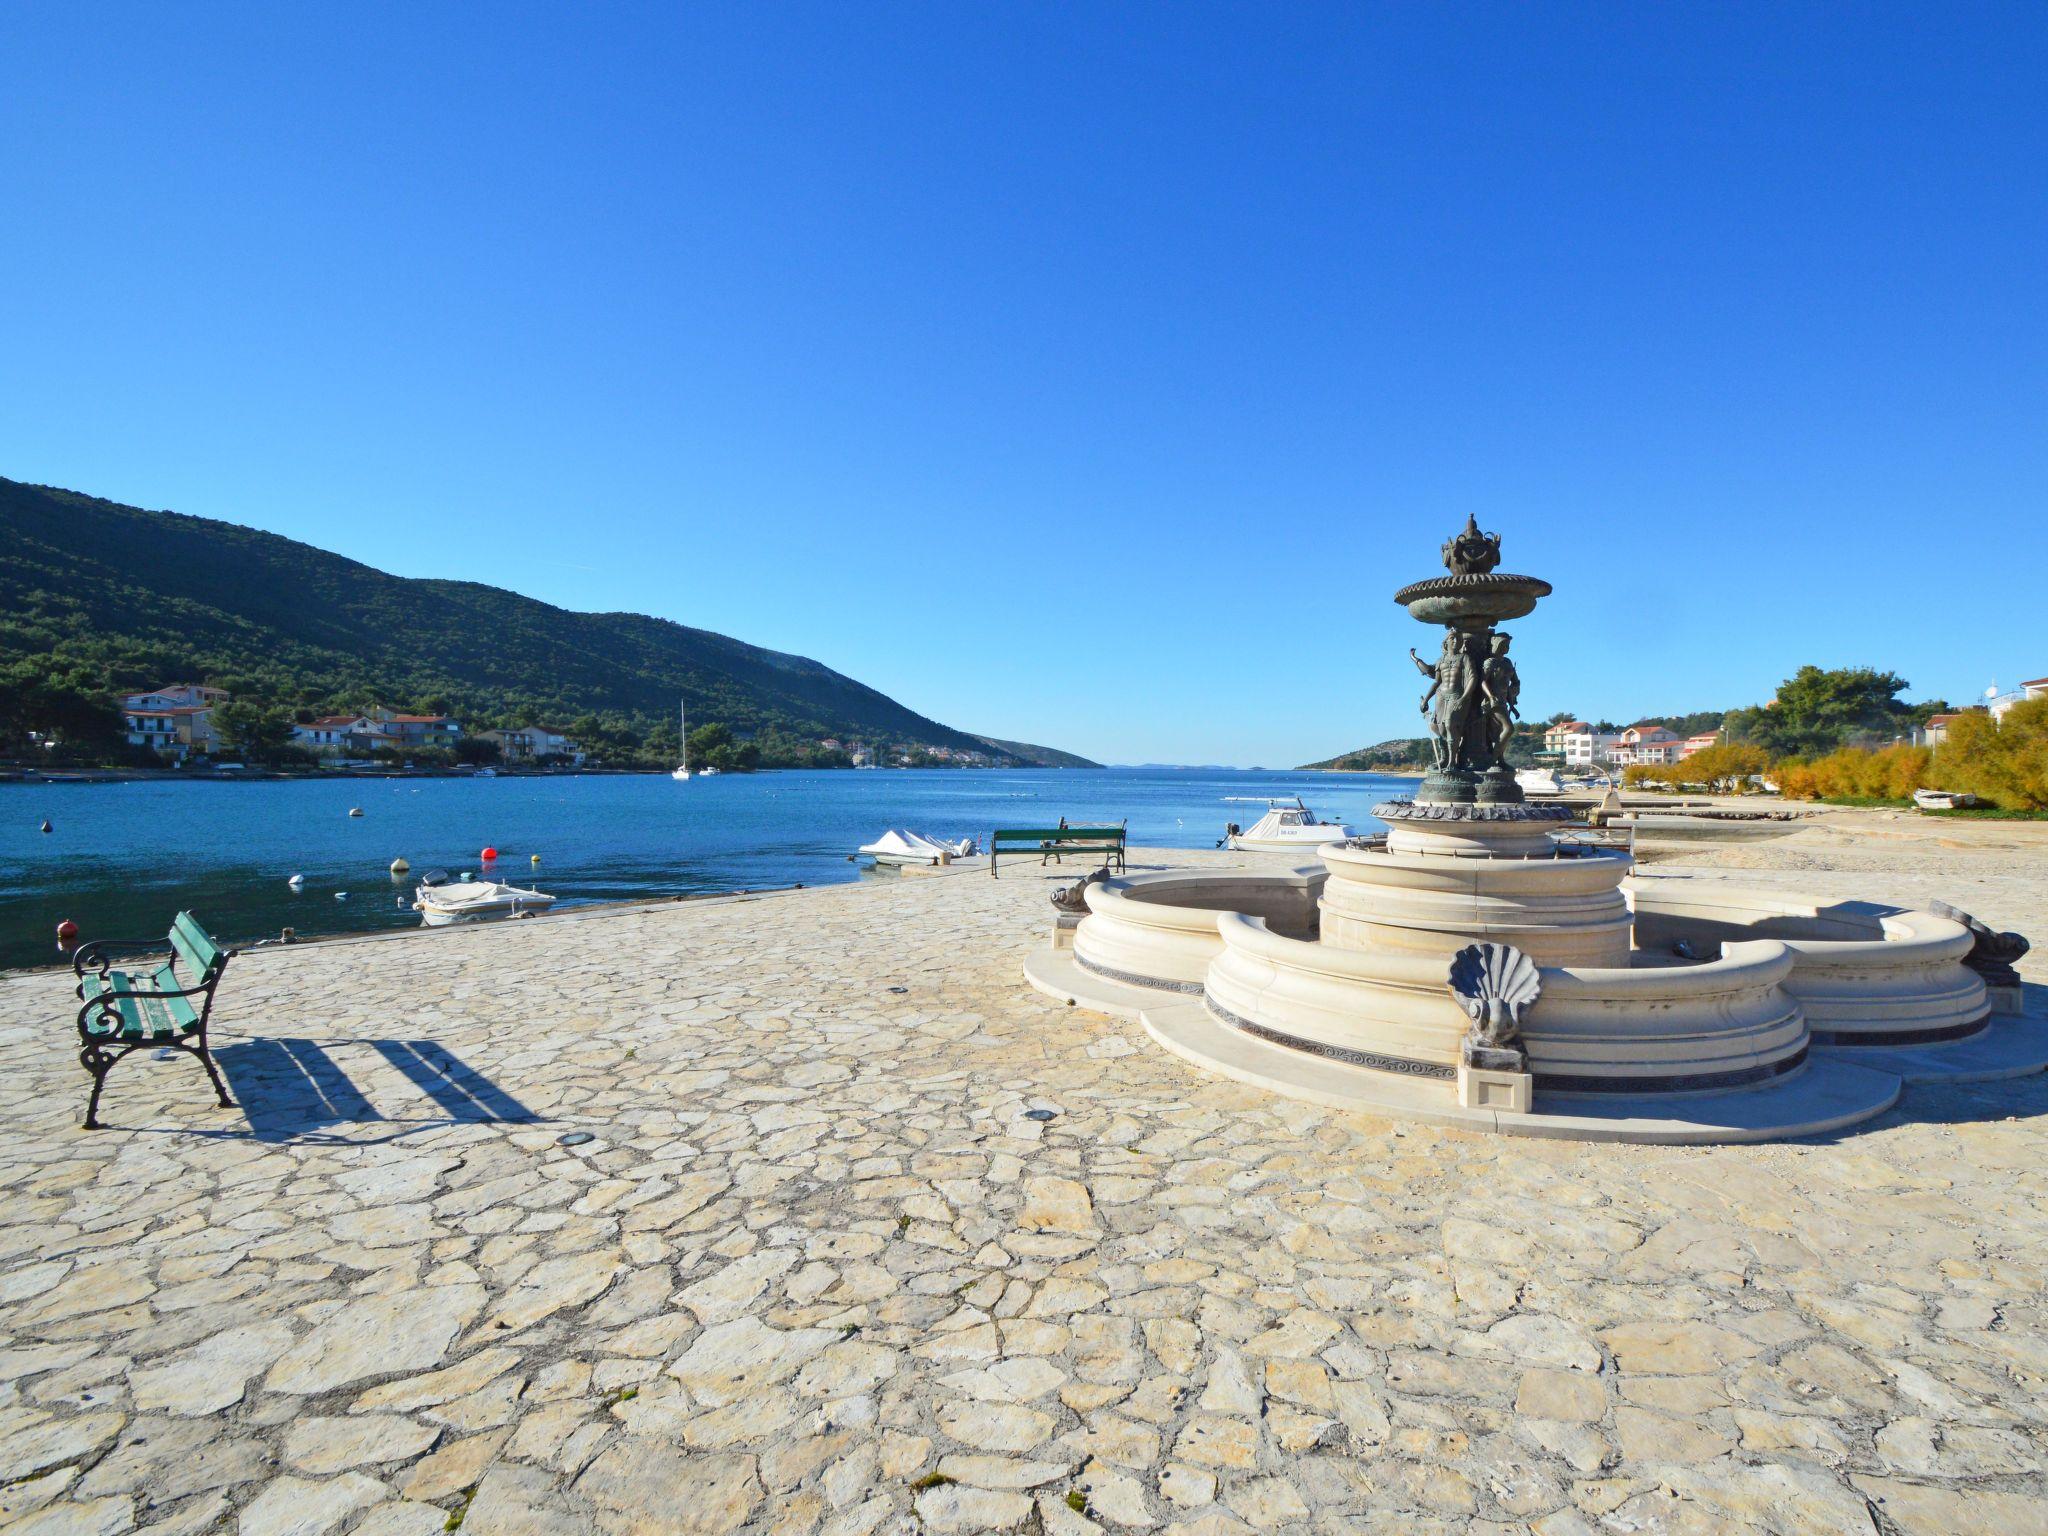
1036 756
1385 757
98 598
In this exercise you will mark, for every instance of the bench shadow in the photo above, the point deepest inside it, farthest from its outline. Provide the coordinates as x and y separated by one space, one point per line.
291 1089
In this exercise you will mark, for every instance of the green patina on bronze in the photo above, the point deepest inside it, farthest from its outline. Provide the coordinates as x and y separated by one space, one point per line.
1474 692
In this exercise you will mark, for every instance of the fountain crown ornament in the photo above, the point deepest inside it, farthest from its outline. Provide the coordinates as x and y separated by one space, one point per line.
1471 553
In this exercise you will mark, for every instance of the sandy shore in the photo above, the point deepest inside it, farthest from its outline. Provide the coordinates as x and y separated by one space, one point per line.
868 1237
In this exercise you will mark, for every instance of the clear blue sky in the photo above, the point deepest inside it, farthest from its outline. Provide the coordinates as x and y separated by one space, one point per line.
843 328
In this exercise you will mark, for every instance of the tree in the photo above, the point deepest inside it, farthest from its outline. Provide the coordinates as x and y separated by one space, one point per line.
1818 710
476 750
256 732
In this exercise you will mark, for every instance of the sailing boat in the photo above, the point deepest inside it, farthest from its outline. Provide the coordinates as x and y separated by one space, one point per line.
682 769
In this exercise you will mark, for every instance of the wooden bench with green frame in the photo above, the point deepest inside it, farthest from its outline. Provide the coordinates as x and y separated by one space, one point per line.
1050 842
131 1010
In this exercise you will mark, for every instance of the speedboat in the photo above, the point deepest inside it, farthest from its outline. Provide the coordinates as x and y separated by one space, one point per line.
1538 781
898 846
476 901
1287 827
706 771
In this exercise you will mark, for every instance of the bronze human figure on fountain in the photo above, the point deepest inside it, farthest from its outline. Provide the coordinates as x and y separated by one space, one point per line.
1454 689
1503 689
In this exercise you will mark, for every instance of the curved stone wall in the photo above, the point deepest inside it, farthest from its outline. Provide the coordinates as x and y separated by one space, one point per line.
1558 910
1708 1028
1713 1027
1865 974
1160 930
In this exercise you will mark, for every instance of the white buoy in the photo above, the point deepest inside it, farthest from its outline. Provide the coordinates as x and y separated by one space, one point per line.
296 881
399 866
341 895
355 810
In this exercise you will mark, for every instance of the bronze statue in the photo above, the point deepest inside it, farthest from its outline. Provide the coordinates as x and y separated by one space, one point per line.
1503 686
1454 689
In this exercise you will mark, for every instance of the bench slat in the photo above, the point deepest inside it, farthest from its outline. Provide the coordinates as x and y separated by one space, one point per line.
1069 834
141 1018
195 946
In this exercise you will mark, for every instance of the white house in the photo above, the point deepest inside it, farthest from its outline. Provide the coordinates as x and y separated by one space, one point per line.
1698 743
176 696
1579 743
530 743
174 720
345 736
2037 689
1648 744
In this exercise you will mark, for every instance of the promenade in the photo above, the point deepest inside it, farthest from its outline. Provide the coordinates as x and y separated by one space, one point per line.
867 1236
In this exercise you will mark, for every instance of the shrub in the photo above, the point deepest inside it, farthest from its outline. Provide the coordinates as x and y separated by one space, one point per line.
2004 761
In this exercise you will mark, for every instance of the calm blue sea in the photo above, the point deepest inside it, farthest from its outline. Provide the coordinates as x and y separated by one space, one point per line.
123 858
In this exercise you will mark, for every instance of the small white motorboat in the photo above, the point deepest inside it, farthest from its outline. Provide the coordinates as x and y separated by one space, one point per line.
899 846
476 901
1538 781
1287 827
708 771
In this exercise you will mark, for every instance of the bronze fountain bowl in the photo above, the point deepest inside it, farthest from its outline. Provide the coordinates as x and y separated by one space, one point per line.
1472 601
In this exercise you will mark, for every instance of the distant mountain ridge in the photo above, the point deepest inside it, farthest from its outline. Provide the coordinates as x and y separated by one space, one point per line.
1037 756
141 598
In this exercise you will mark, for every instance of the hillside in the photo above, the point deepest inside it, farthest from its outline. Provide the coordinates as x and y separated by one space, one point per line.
1036 756
125 598
1385 756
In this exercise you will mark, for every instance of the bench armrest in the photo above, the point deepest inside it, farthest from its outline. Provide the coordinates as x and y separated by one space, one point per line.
95 954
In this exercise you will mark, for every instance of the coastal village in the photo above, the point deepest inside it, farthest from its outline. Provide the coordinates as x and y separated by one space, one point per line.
176 723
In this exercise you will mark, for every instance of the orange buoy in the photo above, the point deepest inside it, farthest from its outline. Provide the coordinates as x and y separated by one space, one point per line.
489 854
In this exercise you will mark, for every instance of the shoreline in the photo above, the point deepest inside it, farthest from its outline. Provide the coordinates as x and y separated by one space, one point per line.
42 778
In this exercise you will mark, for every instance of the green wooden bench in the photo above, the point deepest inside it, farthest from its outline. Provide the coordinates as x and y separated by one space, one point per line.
125 1011
1050 842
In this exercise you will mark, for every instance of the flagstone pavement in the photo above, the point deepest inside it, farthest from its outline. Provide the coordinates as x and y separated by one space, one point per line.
868 1237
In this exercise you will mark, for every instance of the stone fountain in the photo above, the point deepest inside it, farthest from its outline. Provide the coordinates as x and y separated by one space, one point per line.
1472 966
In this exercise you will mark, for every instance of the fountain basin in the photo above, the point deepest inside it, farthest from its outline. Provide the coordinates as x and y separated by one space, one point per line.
1159 931
1867 975
1557 910
1630 1030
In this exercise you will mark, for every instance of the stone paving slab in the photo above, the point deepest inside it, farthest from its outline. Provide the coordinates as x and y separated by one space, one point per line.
871 1237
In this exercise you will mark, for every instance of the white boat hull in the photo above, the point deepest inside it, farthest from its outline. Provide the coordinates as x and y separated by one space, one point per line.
898 847
1245 842
477 901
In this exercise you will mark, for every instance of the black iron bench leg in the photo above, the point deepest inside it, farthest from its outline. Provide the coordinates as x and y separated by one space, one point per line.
220 1088
97 1061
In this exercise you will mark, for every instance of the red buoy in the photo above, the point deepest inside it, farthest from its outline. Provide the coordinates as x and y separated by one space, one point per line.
67 931
489 854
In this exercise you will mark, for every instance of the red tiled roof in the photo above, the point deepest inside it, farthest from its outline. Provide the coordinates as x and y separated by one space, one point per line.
2035 682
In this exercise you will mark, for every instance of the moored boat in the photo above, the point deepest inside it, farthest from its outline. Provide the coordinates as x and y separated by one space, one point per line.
477 901
1287 827
899 846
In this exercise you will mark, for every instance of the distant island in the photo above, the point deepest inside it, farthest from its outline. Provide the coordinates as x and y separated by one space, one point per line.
101 601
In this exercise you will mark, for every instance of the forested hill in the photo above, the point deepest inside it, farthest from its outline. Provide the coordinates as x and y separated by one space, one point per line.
124 598
1036 756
